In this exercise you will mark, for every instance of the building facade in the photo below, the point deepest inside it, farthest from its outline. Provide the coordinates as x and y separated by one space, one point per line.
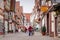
27 20
9 10
19 15
1 16
47 16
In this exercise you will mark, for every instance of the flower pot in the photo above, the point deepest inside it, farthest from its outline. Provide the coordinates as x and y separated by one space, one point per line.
43 30
43 33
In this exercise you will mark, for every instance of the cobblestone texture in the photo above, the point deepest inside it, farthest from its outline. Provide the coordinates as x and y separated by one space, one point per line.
24 36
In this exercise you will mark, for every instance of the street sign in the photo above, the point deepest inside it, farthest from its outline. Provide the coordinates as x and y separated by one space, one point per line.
44 8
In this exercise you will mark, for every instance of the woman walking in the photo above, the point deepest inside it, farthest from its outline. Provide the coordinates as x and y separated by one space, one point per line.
30 30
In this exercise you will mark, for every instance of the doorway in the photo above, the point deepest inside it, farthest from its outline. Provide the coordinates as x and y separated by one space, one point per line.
48 24
58 25
55 26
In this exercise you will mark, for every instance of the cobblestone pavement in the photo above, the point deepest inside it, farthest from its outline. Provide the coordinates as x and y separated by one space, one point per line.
24 36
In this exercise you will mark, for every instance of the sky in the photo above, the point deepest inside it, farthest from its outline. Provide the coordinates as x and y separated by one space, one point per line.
27 5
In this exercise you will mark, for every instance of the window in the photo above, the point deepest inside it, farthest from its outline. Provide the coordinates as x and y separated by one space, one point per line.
10 15
18 10
53 1
6 15
40 2
43 2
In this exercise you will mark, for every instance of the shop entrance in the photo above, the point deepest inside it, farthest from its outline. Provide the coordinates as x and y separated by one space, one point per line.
48 24
58 25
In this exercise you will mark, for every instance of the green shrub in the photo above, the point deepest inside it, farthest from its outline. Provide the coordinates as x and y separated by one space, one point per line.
43 29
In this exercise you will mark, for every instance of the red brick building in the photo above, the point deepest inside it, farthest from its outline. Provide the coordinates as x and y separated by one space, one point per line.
27 15
19 14
27 19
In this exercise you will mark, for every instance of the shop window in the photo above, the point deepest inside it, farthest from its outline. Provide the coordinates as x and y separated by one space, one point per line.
10 15
43 2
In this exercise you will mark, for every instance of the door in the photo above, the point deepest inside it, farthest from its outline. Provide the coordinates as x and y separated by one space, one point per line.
48 23
58 25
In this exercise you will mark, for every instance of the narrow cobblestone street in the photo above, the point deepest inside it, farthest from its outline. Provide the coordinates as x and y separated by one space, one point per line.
24 36
20 18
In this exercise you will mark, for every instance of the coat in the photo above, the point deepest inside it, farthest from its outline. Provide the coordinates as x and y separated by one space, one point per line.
30 28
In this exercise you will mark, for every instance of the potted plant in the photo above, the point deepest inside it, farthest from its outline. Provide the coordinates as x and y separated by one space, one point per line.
43 30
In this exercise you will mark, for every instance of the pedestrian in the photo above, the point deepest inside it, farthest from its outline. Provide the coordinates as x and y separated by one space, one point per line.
33 31
25 29
30 30
3 31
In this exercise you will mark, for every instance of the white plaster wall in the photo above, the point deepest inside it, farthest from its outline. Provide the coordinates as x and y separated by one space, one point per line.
32 17
38 26
13 27
1 23
53 21
1 17
43 22
6 26
1 4
10 27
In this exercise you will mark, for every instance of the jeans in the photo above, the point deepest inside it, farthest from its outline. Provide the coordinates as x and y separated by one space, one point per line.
30 33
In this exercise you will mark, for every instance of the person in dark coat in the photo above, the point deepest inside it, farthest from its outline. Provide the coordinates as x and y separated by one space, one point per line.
25 29
30 30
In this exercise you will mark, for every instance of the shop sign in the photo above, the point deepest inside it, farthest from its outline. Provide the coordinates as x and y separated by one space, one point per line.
44 8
